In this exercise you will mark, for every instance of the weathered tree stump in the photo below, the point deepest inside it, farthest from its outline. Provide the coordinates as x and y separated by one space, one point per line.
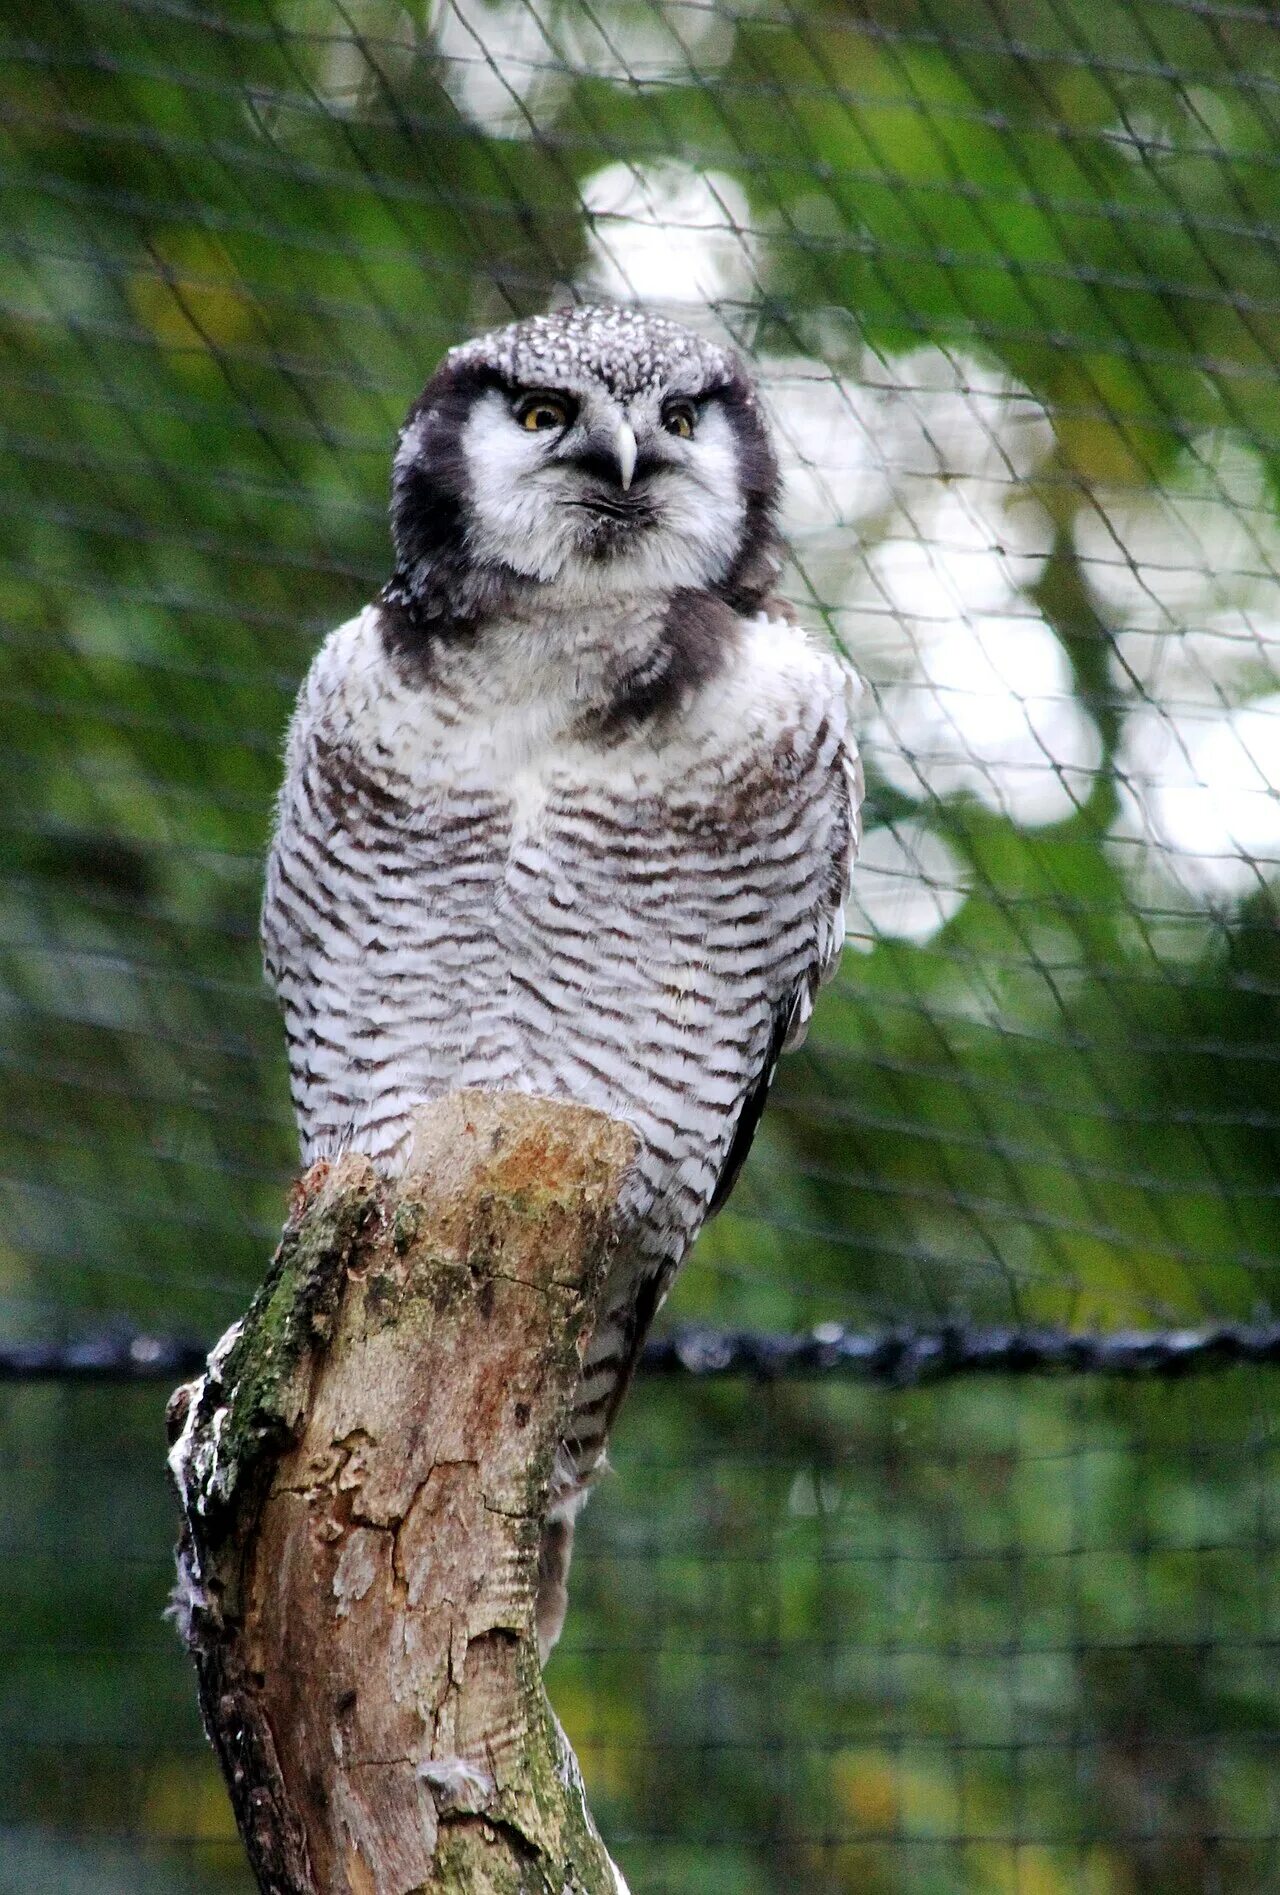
363 1478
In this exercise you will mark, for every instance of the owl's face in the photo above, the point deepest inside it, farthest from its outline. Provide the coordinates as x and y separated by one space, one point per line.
592 453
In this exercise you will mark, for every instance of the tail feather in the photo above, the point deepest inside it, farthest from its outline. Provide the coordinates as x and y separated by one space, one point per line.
580 1459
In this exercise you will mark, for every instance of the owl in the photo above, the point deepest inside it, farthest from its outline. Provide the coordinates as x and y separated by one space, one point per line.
571 808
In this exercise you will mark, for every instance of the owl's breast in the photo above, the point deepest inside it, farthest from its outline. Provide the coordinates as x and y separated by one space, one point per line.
457 900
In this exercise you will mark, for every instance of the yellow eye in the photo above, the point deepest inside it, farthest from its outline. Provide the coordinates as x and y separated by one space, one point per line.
541 411
679 419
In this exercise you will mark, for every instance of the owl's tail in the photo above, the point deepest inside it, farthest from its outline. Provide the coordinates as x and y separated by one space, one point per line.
607 1369
556 1553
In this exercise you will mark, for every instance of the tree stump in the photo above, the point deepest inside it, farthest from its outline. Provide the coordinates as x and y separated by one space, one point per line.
363 1475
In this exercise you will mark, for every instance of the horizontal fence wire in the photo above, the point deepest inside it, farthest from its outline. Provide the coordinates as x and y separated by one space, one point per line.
1007 279
896 1358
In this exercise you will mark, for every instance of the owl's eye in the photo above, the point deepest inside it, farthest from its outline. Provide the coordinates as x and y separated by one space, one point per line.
535 412
679 418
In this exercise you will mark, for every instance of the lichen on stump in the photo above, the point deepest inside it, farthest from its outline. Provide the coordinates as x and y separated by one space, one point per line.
363 1476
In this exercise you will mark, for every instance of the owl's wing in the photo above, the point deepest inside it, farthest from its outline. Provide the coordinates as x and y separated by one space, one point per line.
792 1015
752 1109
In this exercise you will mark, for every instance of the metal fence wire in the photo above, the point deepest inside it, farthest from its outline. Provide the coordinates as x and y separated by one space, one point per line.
1009 278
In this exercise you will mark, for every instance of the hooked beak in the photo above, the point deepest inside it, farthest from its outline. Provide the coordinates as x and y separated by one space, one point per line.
624 442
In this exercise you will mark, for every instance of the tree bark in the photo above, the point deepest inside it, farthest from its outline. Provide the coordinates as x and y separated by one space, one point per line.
363 1475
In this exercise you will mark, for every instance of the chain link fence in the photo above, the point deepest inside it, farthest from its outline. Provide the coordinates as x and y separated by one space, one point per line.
1009 279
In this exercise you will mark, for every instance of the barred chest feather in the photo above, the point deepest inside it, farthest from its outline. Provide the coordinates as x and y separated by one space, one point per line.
521 865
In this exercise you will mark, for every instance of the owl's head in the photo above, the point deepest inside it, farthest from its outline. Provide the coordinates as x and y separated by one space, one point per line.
591 454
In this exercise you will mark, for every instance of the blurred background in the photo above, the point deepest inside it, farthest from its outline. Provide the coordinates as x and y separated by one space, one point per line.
1009 277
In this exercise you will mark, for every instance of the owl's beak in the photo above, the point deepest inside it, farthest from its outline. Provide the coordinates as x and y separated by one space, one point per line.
624 442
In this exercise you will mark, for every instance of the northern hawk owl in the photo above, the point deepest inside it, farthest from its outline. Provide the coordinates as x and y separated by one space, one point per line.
571 808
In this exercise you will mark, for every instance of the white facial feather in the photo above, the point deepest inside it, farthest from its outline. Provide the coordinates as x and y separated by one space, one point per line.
509 522
523 485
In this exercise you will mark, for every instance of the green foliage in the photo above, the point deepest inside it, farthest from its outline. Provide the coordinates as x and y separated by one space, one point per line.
1010 1637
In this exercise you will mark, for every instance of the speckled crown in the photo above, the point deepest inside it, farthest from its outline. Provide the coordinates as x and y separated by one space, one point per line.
630 351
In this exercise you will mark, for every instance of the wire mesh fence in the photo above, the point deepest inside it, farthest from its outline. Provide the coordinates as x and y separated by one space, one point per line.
1008 278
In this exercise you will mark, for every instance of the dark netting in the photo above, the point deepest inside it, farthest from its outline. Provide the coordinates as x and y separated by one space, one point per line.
1009 278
